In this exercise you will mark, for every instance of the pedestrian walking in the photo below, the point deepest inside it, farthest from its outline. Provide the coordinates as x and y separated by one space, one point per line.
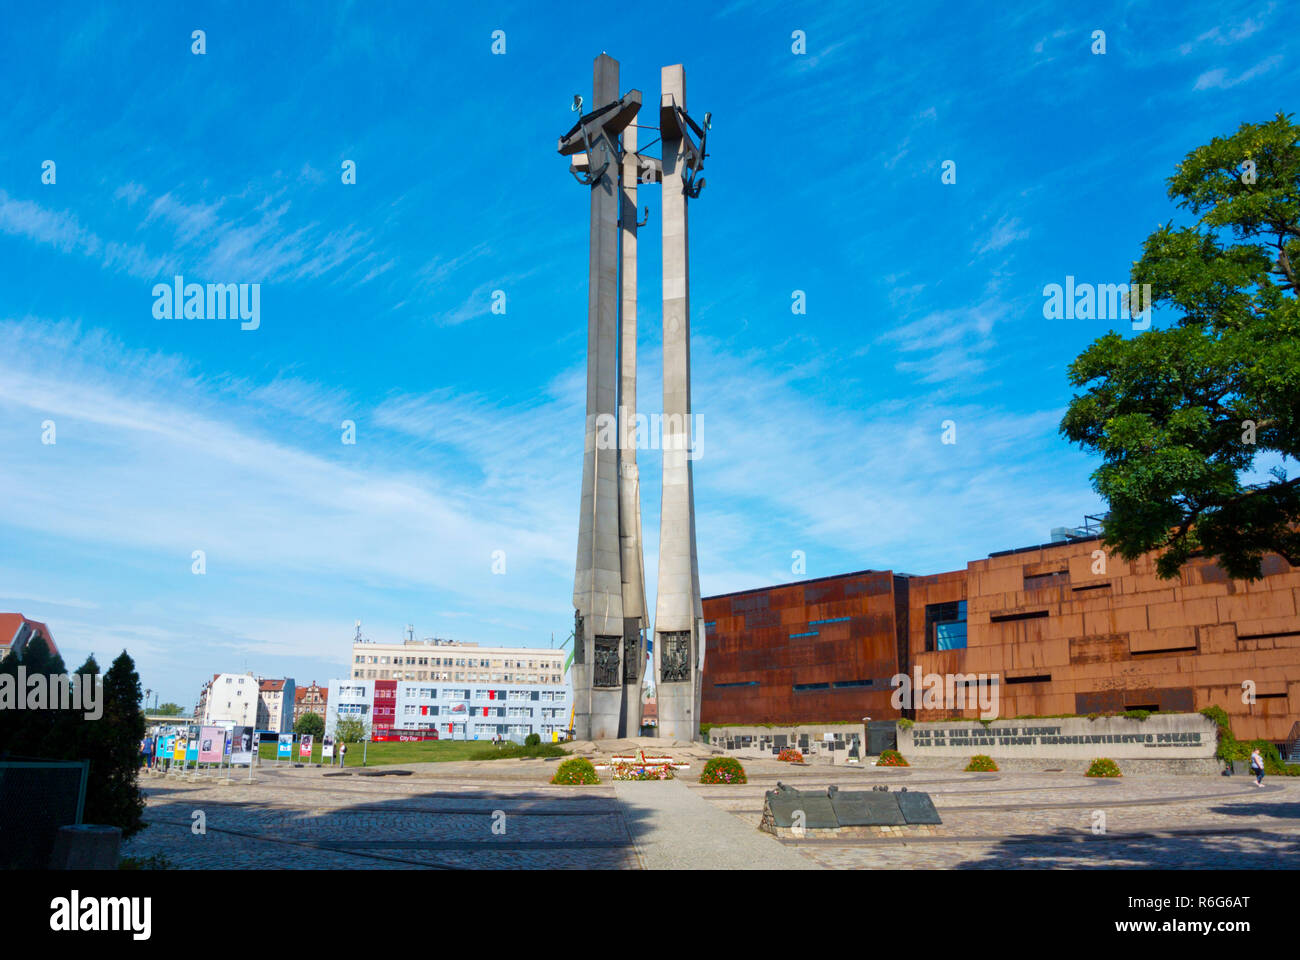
343 753
1257 765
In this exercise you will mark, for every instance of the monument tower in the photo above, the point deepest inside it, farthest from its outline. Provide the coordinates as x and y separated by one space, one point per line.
610 610
679 612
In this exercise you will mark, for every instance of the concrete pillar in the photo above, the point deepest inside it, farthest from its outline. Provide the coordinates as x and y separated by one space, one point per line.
86 846
679 613
634 605
598 580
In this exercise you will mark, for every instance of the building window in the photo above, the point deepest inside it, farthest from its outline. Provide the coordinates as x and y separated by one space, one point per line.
945 626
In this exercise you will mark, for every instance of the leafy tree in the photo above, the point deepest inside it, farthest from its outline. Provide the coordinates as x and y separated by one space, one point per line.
312 724
169 710
1180 414
349 729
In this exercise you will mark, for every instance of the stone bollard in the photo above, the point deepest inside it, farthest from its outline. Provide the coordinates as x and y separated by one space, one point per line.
87 846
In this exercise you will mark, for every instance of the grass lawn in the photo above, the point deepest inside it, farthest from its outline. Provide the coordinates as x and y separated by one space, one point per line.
424 751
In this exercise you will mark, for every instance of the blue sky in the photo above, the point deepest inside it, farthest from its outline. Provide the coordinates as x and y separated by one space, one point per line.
821 432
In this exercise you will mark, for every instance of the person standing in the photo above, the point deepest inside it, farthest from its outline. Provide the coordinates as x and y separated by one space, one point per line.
1257 765
343 753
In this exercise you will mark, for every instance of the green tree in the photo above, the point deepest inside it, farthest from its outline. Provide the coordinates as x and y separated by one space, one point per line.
349 729
110 741
112 744
1180 413
169 710
312 724
29 732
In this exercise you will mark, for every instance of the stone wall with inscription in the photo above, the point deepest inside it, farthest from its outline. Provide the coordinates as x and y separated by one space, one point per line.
1159 737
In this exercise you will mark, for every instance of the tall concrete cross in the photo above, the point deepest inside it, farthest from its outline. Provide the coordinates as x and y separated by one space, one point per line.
609 600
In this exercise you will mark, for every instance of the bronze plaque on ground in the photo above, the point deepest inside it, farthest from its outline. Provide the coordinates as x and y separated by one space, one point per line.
918 808
818 814
868 809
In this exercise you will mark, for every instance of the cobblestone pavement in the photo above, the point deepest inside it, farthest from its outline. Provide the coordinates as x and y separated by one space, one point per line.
675 829
1046 821
303 820
441 816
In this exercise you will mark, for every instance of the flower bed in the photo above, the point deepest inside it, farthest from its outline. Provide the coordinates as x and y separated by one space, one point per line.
723 770
641 767
981 763
790 755
1103 767
630 771
891 758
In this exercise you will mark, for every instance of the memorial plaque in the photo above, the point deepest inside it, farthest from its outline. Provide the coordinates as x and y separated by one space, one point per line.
631 650
918 808
606 662
868 809
817 810
675 656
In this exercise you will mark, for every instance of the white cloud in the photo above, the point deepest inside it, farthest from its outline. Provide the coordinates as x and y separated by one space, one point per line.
1219 78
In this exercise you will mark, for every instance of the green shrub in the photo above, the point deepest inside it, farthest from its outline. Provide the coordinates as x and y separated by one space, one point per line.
891 758
515 751
906 724
1103 767
723 770
1136 714
980 763
575 770
533 740
1219 716
1242 749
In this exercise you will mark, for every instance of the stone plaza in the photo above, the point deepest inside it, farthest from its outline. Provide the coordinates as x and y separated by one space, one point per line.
504 814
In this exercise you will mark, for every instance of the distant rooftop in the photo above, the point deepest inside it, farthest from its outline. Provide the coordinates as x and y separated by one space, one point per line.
426 642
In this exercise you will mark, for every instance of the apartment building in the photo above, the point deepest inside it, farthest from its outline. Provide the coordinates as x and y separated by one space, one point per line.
230 698
275 705
457 662
309 699
247 700
506 696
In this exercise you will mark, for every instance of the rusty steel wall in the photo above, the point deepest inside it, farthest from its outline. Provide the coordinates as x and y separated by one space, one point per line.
1122 638
749 638
1110 641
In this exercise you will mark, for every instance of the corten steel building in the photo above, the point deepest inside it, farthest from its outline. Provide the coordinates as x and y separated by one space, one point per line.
1065 627
803 652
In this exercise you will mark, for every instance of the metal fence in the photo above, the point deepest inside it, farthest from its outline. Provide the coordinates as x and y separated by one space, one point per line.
36 799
